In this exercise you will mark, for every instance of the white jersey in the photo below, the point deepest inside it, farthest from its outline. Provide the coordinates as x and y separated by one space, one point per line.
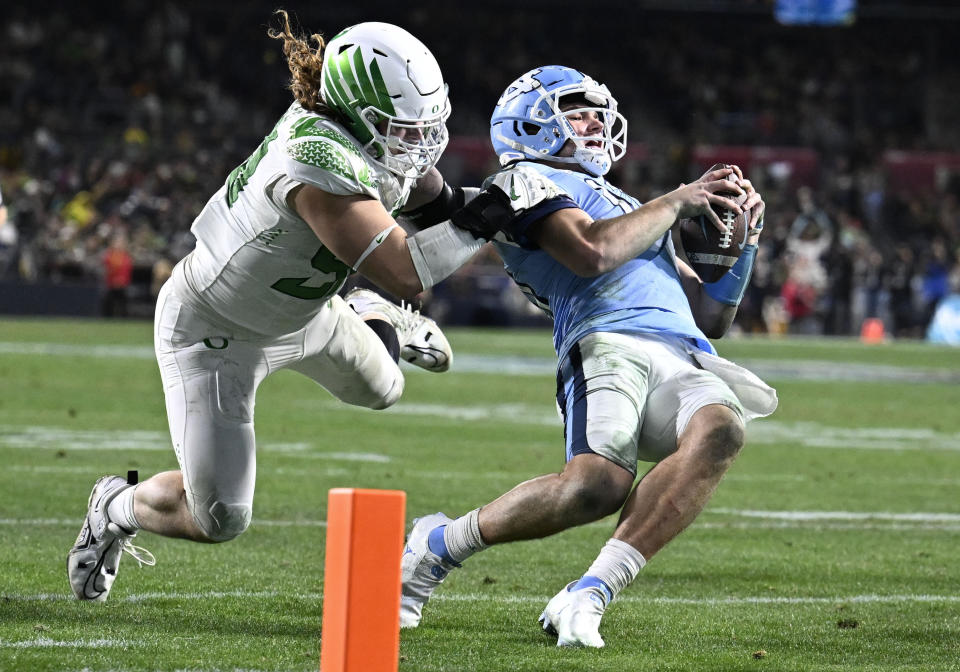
257 264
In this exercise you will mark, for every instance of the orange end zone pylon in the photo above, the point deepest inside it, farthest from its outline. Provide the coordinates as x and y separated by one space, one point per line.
361 580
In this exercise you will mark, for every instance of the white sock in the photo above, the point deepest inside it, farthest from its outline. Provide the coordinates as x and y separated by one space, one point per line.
462 536
120 510
617 565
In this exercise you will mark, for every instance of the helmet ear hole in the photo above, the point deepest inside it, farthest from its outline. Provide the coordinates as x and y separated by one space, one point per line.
531 129
525 128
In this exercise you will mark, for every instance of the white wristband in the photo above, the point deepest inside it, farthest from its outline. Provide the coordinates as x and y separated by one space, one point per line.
439 250
374 244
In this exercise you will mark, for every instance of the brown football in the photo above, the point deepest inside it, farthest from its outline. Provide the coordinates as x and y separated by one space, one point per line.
710 253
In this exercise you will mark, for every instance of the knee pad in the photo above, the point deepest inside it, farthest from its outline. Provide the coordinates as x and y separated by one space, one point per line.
223 521
391 396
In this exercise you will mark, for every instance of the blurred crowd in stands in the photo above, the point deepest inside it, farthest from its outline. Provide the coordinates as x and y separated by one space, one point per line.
116 127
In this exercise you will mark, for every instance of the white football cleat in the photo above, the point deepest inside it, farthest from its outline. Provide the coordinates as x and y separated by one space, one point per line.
92 562
422 569
574 616
421 341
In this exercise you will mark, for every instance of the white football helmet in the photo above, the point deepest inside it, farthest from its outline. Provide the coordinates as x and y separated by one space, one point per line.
389 89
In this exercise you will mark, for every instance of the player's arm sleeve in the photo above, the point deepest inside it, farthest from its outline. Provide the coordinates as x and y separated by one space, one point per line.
518 229
439 250
448 201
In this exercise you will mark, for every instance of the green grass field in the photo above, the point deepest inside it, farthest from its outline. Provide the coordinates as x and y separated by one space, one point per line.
832 544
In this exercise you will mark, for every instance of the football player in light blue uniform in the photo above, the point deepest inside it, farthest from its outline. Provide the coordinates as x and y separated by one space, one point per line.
637 378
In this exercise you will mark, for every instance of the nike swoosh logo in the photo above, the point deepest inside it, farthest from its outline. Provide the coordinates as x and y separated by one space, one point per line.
434 353
91 582
379 239
513 192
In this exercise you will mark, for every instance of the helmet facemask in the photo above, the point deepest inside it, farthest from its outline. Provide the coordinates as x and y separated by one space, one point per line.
407 147
588 97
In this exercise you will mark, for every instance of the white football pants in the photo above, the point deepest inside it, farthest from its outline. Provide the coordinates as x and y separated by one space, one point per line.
210 376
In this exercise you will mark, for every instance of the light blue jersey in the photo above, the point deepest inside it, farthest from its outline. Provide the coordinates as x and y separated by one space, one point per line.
644 295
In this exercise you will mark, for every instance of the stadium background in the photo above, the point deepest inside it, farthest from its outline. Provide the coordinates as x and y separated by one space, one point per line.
125 120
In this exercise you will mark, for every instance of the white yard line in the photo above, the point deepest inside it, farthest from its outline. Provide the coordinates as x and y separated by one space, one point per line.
48 643
64 350
517 474
822 370
33 437
759 433
752 518
732 600
70 522
823 527
914 517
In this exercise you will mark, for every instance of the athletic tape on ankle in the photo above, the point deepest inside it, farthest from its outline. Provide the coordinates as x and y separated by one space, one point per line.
730 288
374 244
462 537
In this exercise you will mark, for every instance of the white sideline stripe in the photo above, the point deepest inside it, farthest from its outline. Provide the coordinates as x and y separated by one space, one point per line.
523 414
766 432
915 517
47 643
699 525
823 527
94 473
546 366
761 432
713 601
845 520
815 435
54 522
64 350
497 475
732 600
32 437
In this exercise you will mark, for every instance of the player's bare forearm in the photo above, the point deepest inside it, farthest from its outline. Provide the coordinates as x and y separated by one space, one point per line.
627 236
712 317
592 247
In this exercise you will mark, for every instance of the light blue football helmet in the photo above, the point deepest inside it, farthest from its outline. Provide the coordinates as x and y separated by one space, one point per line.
528 123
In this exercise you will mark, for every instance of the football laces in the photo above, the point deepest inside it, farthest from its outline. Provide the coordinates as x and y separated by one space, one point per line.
727 237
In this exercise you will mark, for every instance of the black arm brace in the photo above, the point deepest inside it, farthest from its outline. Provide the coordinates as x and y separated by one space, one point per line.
438 210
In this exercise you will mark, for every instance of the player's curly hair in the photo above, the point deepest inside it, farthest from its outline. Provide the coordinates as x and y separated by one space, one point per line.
305 63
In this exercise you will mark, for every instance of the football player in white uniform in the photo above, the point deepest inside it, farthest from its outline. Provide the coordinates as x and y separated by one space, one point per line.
313 203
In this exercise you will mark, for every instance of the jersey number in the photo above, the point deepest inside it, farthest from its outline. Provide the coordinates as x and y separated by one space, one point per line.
238 179
326 263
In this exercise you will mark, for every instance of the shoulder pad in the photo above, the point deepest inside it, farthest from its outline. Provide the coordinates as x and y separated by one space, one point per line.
321 146
524 186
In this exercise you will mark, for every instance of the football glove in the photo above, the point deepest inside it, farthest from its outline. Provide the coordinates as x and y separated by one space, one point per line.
509 194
